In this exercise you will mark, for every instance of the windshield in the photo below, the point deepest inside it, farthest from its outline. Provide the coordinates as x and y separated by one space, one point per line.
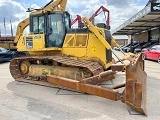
55 22
158 48
3 50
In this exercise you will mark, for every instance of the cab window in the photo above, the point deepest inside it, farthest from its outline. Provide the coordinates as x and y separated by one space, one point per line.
38 24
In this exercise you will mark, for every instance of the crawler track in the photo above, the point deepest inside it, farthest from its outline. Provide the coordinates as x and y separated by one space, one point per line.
94 67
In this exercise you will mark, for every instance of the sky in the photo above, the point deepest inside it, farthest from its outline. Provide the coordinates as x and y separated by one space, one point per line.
120 10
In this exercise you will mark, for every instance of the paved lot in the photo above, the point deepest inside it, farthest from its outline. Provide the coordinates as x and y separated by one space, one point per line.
22 101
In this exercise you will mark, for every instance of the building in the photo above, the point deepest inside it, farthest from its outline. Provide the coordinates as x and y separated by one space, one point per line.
121 39
7 42
6 39
144 26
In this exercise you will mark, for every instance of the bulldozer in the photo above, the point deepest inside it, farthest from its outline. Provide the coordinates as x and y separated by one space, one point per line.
79 59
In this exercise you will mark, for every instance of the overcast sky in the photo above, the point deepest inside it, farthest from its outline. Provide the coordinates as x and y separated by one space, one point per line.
120 10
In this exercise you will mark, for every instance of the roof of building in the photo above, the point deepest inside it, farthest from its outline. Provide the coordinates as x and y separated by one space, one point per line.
4 38
146 19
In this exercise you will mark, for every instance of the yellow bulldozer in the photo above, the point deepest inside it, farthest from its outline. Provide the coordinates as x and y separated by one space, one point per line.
75 58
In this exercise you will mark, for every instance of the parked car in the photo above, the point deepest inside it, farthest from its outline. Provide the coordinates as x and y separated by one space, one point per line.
149 45
6 55
145 45
130 47
152 53
139 47
124 48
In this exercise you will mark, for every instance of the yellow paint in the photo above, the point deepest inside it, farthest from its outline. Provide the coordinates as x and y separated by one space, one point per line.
46 71
93 48
85 46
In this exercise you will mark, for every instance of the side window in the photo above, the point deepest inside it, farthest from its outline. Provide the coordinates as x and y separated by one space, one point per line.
67 21
0 50
35 24
41 23
38 24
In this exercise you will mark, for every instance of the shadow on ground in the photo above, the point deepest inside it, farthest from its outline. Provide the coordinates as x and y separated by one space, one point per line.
61 104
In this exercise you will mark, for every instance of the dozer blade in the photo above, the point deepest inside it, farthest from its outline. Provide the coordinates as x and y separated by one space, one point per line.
134 94
135 88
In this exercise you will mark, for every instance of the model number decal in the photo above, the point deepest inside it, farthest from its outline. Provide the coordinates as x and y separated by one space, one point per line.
46 71
93 48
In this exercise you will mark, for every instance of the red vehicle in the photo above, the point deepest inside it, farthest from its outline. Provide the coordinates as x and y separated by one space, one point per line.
152 53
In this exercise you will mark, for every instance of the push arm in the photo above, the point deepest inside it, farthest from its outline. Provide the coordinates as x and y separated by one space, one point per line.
96 32
114 43
93 29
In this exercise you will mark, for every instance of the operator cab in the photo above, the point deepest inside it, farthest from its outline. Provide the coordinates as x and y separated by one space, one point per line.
53 25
